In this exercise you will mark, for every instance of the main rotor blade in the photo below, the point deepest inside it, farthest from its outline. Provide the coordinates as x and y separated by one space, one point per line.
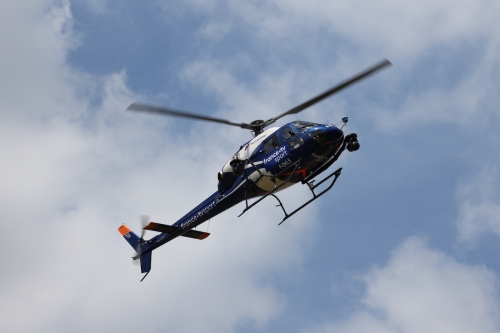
170 112
371 70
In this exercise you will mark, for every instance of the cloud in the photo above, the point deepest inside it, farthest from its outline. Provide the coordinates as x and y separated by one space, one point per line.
402 29
424 290
423 40
479 205
76 166
273 92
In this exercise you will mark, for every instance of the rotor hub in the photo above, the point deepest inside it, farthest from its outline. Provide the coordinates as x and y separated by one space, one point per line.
257 122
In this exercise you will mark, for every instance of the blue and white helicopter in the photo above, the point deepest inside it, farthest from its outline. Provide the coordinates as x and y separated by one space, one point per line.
275 159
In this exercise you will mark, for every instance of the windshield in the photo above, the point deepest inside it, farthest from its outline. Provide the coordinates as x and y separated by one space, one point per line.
303 126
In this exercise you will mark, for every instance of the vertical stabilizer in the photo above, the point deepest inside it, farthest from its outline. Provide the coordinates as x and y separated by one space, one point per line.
129 236
146 264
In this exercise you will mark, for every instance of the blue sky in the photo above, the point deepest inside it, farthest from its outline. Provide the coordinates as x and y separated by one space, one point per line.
407 241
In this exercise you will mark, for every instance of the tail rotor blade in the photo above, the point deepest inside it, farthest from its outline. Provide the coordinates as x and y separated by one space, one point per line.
136 262
144 222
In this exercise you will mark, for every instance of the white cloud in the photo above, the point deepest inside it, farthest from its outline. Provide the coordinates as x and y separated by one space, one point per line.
274 92
403 28
422 39
479 205
424 290
399 28
73 171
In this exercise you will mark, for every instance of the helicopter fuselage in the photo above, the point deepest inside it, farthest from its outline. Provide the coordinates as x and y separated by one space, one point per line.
275 149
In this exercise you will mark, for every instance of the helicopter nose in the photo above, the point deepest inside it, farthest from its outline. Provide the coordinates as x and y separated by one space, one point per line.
334 133
325 135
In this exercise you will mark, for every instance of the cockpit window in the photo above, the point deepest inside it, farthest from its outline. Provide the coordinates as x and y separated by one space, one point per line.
271 144
287 133
303 126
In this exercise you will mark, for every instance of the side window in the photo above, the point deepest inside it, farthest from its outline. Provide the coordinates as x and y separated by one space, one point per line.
287 133
271 144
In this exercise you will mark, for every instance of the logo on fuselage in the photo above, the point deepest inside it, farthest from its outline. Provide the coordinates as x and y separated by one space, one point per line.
277 155
198 215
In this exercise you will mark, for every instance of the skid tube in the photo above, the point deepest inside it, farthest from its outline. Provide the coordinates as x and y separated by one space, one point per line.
312 187
310 184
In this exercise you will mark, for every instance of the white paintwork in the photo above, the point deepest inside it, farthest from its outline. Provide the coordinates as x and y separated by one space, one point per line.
265 182
246 151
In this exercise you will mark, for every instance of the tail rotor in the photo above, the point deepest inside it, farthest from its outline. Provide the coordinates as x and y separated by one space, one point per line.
137 243
144 222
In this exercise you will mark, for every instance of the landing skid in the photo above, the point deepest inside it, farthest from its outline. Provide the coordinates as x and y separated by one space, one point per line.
310 184
276 187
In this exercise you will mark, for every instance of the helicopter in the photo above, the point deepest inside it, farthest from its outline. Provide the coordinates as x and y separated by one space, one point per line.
273 160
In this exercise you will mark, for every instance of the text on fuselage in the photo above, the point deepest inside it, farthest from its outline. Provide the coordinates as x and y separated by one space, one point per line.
277 155
199 214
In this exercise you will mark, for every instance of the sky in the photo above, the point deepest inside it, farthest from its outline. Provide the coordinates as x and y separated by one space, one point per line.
407 241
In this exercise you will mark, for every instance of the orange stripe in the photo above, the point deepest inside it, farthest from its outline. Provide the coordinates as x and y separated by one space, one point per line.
123 230
204 235
303 172
150 226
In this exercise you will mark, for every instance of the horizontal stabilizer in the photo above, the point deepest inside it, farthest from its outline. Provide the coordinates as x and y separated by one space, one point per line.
170 229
